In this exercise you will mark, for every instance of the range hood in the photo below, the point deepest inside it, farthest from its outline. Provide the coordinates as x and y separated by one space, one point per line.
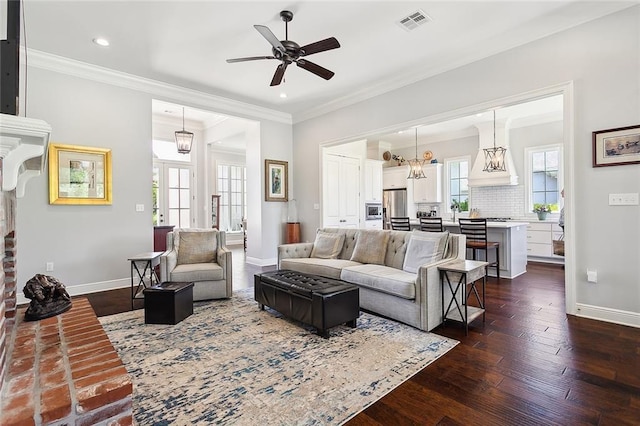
23 149
478 177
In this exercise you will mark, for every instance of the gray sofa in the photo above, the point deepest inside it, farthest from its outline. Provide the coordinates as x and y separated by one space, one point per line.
385 288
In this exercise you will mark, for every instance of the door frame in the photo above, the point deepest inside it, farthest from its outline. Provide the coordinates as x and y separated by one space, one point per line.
163 190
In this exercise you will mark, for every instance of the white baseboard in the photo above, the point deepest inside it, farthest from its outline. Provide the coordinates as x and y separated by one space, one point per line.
79 290
615 316
261 262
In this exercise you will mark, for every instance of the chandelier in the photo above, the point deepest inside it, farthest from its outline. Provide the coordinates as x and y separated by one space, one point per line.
494 158
416 165
184 139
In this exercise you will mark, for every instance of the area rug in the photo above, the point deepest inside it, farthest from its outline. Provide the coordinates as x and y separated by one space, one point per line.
231 363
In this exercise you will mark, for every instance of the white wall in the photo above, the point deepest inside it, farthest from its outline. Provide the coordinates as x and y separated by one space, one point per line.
602 58
89 245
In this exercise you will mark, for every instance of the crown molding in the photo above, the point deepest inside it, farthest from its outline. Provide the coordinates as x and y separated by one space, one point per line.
62 65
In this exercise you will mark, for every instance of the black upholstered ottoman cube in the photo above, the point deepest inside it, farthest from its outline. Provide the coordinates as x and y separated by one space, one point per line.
168 303
314 300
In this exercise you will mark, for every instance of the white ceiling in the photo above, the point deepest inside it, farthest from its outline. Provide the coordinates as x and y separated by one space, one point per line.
186 43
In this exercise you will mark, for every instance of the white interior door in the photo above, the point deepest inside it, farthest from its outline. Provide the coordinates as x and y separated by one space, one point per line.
173 198
341 191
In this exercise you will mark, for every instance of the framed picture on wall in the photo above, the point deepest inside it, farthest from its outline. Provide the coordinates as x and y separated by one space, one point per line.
79 175
615 147
276 178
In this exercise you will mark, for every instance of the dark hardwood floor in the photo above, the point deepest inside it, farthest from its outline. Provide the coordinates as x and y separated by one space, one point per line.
528 364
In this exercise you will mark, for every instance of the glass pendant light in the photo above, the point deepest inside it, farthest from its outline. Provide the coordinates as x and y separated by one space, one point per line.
416 165
494 158
184 139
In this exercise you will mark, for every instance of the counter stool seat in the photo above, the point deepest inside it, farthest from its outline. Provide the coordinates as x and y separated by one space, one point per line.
476 232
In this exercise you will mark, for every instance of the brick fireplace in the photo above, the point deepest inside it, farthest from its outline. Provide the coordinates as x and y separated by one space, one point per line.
59 370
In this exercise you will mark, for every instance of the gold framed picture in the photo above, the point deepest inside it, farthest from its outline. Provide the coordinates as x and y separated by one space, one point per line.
276 178
79 175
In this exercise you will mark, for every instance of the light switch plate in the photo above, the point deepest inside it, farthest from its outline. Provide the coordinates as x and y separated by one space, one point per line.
627 199
139 207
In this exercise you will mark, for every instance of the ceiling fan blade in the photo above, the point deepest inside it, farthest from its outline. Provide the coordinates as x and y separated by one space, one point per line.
277 77
250 58
314 68
319 46
271 38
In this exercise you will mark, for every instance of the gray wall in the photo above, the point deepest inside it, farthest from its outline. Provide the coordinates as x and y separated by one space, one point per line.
89 245
602 58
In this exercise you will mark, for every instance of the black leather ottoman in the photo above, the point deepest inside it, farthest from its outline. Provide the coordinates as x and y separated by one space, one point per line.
317 301
168 303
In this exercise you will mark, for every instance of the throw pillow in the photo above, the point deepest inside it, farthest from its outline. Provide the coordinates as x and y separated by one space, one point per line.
196 247
371 247
424 248
327 245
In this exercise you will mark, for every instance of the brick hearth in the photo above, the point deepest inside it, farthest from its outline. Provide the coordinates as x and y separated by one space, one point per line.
64 370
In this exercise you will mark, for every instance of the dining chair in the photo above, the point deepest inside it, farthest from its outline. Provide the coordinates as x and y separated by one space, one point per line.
476 232
431 224
400 224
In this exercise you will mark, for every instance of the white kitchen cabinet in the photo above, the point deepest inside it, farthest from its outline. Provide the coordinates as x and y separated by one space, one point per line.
395 177
429 189
373 180
373 224
540 236
341 188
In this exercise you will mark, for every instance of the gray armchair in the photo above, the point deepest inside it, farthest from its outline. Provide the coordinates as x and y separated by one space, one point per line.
201 256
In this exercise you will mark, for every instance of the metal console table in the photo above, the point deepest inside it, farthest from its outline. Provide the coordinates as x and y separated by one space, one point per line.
468 273
143 265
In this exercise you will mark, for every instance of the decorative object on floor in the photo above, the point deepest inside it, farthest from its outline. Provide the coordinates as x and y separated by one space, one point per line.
79 175
416 165
288 51
231 363
616 147
494 158
276 182
184 139
558 246
48 298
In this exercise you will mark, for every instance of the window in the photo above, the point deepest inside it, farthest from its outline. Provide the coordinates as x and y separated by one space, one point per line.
544 176
232 184
457 170
171 186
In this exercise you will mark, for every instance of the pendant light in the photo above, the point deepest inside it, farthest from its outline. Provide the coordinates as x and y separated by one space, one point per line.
416 165
183 138
494 158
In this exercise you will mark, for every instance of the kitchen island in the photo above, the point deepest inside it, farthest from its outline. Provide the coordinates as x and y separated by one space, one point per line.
512 237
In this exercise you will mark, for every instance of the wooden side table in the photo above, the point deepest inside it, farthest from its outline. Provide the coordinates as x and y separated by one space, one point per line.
468 273
143 264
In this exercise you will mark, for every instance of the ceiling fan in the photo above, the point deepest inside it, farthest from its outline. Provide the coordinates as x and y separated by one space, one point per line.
287 51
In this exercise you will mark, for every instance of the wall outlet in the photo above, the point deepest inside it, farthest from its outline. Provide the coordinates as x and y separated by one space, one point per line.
316 206
49 267
592 276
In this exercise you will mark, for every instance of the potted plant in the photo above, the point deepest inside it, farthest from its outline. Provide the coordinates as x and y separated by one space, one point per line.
541 210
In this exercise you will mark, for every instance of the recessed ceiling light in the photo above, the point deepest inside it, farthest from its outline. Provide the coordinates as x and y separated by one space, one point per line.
283 95
101 41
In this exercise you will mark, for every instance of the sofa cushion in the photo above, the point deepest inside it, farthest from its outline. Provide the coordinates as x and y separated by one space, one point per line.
371 247
329 268
327 245
382 278
196 246
197 272
423 248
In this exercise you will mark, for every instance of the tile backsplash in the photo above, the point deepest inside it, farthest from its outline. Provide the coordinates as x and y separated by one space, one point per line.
498 201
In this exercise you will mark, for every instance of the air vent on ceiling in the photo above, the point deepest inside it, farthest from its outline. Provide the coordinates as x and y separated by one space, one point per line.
414 20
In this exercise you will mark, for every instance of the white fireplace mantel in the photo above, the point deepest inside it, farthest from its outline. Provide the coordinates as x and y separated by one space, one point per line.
23 148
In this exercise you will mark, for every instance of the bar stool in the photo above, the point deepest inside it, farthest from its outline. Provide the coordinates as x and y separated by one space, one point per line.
400 224
431 224
476 232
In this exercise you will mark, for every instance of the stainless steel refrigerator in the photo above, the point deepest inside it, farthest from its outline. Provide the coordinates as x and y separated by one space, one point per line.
394 204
